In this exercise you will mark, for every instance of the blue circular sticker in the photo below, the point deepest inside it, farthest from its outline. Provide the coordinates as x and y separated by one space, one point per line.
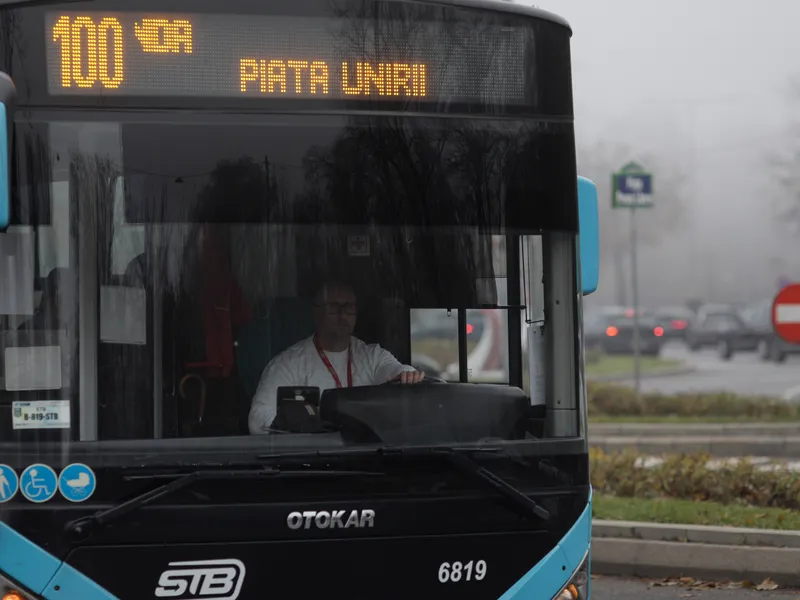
77 482
38 483
9 483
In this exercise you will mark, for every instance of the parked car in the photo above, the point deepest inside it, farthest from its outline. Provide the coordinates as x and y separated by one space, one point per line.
769 346
612 333
721 327
675 321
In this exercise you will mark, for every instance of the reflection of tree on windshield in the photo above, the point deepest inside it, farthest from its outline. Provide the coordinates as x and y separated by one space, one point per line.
239 190
410 172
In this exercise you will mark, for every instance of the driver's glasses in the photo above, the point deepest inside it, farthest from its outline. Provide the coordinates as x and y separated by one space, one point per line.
334 308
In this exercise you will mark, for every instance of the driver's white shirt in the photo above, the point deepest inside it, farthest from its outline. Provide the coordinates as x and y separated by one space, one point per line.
301 364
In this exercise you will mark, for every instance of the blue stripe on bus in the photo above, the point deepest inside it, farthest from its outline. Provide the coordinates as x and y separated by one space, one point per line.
41 572
24 561
69 583
547 578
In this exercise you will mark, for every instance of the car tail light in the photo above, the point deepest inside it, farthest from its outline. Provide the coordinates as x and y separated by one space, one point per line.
679 324
658 331
611 331
470 328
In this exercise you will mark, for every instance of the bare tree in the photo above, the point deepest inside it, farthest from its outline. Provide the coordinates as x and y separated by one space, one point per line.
785 164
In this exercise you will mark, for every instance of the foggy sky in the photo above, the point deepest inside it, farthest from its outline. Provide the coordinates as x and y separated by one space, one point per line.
702 84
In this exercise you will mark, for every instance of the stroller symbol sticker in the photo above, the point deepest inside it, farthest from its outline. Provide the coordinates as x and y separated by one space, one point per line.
77 482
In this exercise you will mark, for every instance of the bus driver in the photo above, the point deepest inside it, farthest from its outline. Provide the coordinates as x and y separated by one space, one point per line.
331 357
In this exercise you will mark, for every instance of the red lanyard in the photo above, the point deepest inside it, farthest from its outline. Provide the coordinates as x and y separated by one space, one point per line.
332 371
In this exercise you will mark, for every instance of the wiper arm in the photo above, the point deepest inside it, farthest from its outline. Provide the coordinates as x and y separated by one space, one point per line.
85 526
460 459
458 456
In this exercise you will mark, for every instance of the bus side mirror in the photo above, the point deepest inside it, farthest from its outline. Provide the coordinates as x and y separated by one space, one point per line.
589 235
8 94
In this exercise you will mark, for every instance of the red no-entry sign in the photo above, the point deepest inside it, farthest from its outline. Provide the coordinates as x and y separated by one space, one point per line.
786 314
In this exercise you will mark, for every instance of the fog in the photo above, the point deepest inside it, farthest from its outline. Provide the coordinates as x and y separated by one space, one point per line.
705 87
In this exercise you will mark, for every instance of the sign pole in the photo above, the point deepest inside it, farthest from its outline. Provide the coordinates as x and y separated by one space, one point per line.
635 299
632 188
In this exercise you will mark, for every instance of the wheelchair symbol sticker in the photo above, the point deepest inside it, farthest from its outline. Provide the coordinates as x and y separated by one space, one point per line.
77 482
38 483
9 484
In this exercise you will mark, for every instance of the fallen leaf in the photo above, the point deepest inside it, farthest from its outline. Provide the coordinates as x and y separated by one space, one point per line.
767 585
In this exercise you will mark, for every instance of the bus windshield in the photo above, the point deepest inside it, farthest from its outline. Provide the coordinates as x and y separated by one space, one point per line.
169 262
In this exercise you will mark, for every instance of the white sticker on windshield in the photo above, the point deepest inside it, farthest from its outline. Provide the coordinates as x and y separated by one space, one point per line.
41 414
536 364
123 315
16 271
33 368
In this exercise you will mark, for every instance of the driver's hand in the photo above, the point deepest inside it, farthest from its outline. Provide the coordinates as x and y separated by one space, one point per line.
409 377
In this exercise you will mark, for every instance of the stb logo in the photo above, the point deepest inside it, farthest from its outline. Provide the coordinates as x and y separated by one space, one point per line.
202 580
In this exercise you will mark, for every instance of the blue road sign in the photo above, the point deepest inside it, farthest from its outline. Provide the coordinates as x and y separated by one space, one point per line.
9 483
38 483
635 183
631 187
77 482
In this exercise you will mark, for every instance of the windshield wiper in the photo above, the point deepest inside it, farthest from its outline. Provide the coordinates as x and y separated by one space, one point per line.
457 456
83 527
466 465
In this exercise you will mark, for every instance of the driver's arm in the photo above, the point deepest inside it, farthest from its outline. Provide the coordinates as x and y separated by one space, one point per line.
387 367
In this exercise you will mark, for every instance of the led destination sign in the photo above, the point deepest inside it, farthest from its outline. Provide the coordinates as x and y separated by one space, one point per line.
130 54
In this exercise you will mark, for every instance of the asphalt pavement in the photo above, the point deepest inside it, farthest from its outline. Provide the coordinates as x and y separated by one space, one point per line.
745 373
618 588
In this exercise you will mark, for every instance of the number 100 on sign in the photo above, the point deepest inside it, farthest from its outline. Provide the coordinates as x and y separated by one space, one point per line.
92 50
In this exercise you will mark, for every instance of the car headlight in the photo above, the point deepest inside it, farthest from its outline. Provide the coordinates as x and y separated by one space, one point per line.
13 591
577 588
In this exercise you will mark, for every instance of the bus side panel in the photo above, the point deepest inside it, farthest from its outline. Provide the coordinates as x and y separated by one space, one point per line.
550 575
42 573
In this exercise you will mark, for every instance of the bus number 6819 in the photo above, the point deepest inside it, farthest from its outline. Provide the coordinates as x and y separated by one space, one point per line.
456 571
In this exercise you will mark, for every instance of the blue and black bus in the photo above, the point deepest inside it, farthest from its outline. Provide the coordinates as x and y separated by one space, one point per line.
176 179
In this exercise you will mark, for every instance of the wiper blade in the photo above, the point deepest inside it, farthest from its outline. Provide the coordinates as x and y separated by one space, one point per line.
460 459
85 526
458 456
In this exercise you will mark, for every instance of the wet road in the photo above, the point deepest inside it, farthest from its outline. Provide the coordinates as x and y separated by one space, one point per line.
745 373
612 588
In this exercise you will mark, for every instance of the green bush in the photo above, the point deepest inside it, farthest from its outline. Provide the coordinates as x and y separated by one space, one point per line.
609 400
689 477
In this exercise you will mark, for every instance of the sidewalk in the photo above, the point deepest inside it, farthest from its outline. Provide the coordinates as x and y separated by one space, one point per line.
661 550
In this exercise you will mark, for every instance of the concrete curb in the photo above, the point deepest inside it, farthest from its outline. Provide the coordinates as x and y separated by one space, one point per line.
629 376
651 550
721 446
694 429
696 534
638 558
